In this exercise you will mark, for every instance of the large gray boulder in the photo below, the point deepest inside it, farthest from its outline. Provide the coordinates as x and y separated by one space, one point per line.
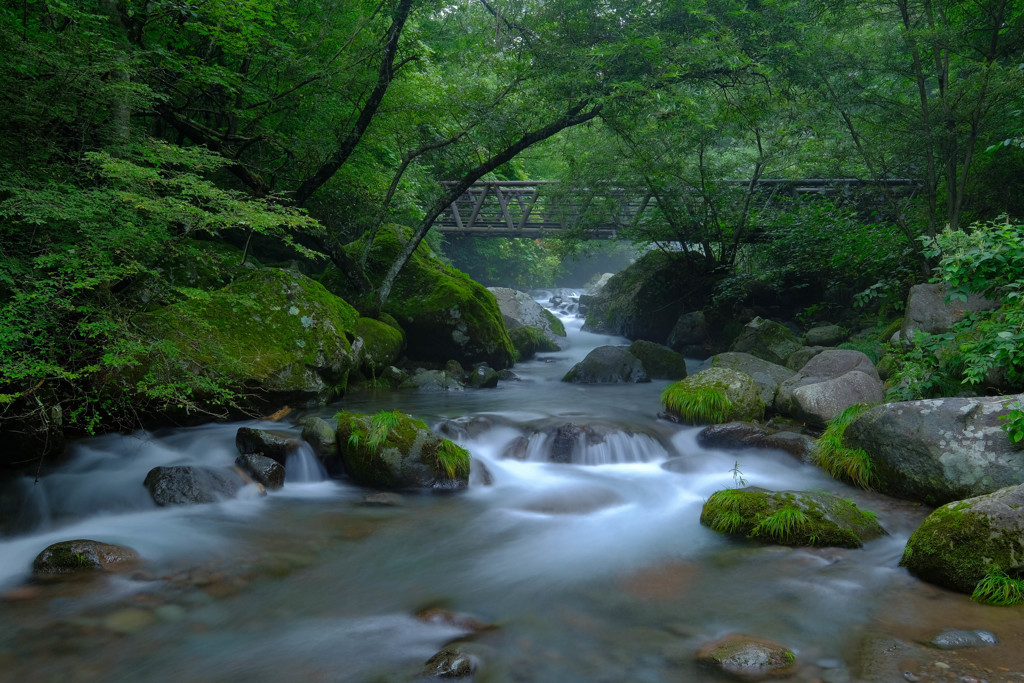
938 450
962 542
607 365
767 339
766 374
928 310
828 384
521 310
825 335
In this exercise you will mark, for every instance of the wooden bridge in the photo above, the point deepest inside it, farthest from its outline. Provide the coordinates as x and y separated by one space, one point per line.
522 208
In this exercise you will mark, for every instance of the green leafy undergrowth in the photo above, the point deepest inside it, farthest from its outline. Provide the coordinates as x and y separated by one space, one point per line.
852 465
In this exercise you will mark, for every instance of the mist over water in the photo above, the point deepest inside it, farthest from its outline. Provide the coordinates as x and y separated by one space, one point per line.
596 570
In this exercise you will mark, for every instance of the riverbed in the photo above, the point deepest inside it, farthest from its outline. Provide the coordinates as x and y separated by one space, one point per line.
593 571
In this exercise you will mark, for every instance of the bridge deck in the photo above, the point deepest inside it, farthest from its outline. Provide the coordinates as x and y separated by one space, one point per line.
521 208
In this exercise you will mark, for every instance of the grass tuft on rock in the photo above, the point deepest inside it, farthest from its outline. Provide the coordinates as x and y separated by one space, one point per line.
852 465
697 405
998 588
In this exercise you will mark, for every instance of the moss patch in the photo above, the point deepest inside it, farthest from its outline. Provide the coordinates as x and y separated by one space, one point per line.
797 518
852 465
392 450
557 328
272 330
529 341
714 396
444 313
382 345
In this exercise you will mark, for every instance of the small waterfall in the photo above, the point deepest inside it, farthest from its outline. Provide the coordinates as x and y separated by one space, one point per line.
587 445
302 466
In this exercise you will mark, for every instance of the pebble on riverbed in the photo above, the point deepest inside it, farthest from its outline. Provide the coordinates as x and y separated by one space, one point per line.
957 639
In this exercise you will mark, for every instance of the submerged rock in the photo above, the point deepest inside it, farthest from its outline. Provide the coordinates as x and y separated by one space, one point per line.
938 450
797 518
391 450
451 662
192 484
962 542
483 377
748 657
959 639
83 555
737 435
607 365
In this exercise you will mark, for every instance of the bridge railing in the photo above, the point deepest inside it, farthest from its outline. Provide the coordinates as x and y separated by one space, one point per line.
530 208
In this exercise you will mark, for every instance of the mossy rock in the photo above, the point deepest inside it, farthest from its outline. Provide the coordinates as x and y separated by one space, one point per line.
529 341
444 313
557 327
271 332
714 396
795 518
83 555
391 450
962 542
660 362
748 657
767 339
382 345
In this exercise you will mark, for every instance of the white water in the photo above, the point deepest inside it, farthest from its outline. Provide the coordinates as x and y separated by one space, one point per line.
596 570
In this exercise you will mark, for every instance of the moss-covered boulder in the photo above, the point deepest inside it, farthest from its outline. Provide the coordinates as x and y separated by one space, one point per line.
766 374
444 313
380 345
962 543
796 518
767 339
645 300
659 361
273 334
607 365
529 341
83 555
713 396
391 450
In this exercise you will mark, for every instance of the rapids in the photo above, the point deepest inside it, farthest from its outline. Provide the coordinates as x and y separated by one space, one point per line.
591 571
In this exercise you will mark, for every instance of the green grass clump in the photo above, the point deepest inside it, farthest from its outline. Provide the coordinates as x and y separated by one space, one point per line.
697 405
852 465
453 459
782 524
380 427
998 588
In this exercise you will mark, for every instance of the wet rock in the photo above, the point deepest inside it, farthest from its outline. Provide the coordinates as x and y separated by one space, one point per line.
518 448
713 396
275 446
796 444
508 376
749 657
660 362
564 443
825 335
767 375
795 518
524 311
264 470
483 377
454 368
83 555
321 435
467 427
188 485
938 450
959 639
732 435
479 475
451 662
767 339
829 383
434 381
395 451
607 365
962 542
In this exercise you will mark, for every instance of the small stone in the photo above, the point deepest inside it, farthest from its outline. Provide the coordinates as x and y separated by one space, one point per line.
957 639
129 621
450 662
748 656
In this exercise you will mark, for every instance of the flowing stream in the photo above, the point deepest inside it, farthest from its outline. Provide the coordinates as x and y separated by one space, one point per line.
593 571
